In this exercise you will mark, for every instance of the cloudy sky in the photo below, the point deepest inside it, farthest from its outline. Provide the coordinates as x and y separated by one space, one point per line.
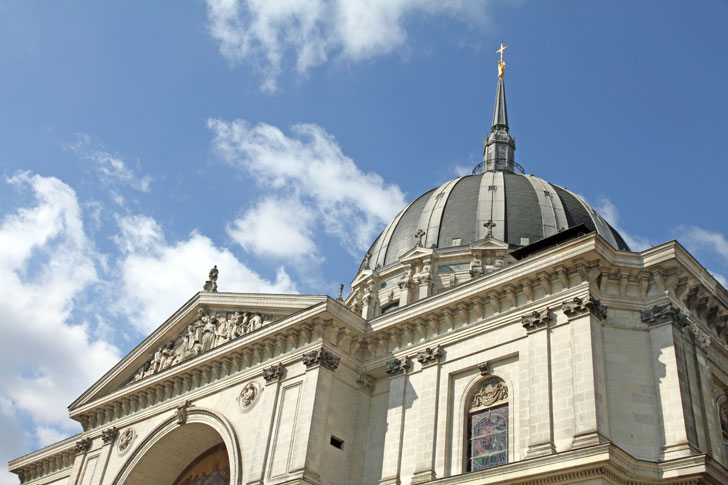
140 145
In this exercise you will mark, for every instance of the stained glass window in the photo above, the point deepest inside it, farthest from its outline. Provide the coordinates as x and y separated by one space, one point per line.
488 438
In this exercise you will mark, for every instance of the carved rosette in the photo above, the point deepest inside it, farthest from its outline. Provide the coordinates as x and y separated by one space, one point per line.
664 313
536 320
182 412
365 382
109 435
249 396
82 446
491 392
273 373
321 357
429 356
125 439
580 306
397 367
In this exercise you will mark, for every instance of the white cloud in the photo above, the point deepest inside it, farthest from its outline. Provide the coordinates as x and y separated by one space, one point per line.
266 32
310 169
609 211
275 227
157 277
46 265
111 169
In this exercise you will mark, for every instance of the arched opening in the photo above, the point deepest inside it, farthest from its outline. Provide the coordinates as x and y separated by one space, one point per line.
181 442
487 425
182 449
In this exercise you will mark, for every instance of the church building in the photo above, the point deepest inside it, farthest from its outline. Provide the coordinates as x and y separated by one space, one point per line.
498 330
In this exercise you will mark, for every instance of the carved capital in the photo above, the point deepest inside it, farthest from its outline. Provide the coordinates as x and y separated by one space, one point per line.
431 355
273 373
536 319
663 314
365 382
397 367
182 412
82 446
109 435
321 357
701 338
580 306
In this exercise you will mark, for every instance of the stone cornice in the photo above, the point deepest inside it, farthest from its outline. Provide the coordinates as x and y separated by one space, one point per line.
50 461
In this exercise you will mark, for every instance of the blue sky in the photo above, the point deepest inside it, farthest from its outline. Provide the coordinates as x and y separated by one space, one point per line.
141 145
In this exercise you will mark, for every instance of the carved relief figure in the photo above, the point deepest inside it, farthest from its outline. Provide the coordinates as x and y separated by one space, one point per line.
208 332
493 390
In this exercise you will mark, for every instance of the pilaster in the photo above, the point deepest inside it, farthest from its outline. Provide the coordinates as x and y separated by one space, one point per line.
397 370
261 435
427 418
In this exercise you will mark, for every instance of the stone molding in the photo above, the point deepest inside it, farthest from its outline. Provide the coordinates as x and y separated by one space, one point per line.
47 465
83 445
536 320
274 373
580 306
321 357
429 356
109 435
396 367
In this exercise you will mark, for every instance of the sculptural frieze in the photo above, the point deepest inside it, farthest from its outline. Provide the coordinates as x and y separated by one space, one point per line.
249 396
207 331
491 391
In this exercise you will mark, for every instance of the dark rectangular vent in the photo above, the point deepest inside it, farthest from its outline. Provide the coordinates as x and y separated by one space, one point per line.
337 443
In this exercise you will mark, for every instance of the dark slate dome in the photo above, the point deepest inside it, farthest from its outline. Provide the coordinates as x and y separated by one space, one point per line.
523 208
511 207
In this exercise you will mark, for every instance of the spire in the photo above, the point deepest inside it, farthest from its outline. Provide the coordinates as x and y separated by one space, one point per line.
499 144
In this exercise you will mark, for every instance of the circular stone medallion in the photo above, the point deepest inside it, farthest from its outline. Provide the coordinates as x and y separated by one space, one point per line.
125 439
249 396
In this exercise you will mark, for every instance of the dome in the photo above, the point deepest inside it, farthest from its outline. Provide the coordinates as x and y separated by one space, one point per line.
500 203
520 210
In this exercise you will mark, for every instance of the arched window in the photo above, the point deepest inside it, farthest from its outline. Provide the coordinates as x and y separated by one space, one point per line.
488 425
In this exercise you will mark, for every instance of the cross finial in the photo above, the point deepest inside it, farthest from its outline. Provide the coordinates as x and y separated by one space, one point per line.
501 63
489 225
419 235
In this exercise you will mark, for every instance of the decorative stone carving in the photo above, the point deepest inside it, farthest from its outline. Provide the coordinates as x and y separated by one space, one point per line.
82 446
182 412
406 280
491 391
536 319
702 339
109 435
211 283
580 306
125 439
321 357
476 266
273 373
429 355
249 396
365 382
423 275
723 412
206 332
396 367
664 313
485 369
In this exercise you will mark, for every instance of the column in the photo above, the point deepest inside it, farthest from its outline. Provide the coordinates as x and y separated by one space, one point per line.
427 418
540 429
397 370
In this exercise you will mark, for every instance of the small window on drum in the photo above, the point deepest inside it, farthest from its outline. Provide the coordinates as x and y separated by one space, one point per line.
488 425
392 306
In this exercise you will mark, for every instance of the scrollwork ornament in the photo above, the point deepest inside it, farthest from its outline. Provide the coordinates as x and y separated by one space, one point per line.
430 355
273 373
580 306
125 440
82 446
109 435
536 319
321 357
397 367
249 396
491 391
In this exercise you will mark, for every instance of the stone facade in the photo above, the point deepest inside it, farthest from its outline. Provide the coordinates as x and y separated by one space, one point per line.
613 365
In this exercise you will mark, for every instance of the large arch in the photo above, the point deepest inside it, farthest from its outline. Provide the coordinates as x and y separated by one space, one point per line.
170 447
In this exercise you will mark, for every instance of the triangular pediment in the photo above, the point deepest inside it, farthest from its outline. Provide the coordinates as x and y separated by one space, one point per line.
489 243
417 253
206 321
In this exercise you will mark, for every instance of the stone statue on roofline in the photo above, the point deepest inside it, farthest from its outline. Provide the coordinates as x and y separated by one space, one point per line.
211 283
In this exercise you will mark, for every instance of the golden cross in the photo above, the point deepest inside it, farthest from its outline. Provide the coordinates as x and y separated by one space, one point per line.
500 51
